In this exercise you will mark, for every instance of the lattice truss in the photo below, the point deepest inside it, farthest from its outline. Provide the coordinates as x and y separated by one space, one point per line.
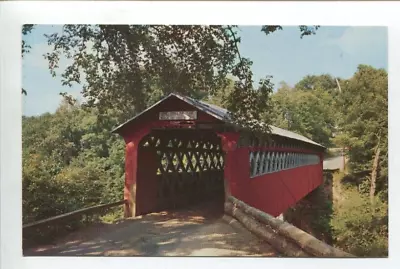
186 153
264 162
190 165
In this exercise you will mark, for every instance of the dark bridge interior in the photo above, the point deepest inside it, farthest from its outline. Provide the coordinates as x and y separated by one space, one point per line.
178 168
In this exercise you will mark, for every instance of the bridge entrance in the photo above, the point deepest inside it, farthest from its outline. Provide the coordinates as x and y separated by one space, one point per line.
182 151
179 168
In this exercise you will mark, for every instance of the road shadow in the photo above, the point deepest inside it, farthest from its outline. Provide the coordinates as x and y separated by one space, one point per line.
195 231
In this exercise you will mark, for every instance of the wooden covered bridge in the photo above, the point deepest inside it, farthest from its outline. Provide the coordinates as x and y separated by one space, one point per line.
181 152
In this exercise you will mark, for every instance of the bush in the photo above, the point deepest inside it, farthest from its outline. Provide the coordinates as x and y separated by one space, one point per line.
70 161
358 227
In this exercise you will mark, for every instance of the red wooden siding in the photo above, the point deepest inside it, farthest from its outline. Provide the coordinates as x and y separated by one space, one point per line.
273 192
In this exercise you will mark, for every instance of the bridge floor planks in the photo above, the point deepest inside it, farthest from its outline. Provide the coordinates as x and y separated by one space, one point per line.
197 231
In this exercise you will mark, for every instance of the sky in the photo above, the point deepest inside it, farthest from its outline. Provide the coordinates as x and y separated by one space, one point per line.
284 55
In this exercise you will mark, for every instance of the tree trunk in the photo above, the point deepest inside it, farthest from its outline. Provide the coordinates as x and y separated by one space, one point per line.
374 173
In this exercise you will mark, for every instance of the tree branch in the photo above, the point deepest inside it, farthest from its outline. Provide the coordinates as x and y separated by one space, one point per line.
237 48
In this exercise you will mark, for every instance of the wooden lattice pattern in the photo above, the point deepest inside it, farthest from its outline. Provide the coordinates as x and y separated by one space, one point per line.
264 162
190 165
186 153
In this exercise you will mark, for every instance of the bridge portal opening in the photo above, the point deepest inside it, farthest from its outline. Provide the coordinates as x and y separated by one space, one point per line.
179 169
175 159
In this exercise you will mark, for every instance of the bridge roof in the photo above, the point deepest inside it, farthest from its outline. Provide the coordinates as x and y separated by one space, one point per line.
221 114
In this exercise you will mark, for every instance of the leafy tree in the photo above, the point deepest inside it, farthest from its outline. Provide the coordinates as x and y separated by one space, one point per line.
307 112
311 82
70 161
126 65
221 96
357 227
26 29
360 222
304 29
364 124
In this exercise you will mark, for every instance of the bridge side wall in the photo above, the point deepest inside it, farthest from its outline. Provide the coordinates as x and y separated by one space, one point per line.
274 192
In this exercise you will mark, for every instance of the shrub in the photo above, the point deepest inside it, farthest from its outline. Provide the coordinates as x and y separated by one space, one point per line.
360 228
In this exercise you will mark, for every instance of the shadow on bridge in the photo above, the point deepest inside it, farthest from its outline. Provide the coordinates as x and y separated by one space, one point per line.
195 231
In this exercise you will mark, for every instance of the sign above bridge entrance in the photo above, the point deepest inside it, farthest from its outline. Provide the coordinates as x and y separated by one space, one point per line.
178 115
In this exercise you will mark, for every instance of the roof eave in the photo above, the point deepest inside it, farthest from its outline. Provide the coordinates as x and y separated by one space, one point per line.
184 99
210 112
117 129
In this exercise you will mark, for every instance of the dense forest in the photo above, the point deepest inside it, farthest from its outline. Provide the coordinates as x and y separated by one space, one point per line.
71 160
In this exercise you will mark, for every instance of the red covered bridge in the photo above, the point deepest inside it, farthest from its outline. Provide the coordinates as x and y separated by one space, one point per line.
181 151
186 160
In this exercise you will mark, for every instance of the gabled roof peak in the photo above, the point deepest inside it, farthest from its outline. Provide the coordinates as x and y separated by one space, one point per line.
220 114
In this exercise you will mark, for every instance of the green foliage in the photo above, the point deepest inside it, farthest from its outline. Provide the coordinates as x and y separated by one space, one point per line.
126 66
313 213
364 121
304 29
360 228
113 216
312 82
306 110
348 113
70 161
220 97
322 223
136 58
26 29
360 221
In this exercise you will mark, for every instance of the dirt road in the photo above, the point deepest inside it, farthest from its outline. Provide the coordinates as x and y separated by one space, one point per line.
334 163
198 231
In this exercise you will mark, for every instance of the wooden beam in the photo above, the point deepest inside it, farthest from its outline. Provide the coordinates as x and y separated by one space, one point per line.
306 241
277 241
72 214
